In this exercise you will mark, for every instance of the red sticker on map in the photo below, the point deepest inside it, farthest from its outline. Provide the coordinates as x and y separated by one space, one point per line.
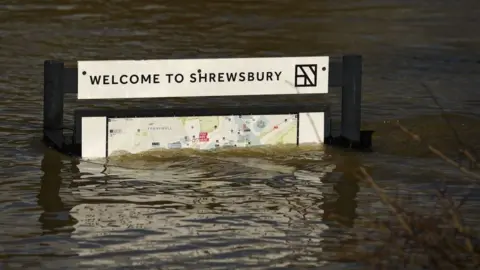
203 136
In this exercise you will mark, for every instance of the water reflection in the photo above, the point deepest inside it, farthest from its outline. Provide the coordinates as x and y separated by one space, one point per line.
346 186
55 213
38 235
205 210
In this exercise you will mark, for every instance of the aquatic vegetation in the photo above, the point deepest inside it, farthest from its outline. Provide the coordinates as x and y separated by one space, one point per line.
414 236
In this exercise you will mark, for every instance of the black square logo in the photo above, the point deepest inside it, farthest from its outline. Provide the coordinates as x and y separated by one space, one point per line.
306 75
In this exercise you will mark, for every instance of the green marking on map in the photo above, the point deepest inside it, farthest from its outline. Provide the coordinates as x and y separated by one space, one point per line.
290 135
280 137
209 123
187 118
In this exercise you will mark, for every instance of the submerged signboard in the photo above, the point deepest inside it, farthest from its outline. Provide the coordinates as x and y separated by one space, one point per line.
136 135
105 136
99 133
202 77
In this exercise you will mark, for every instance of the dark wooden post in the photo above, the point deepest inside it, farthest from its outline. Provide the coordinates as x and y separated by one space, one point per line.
53 103
351 97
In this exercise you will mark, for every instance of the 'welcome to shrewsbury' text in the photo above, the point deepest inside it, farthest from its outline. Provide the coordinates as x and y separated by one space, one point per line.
197 77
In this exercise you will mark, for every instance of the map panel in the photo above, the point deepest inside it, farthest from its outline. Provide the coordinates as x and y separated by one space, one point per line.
135 135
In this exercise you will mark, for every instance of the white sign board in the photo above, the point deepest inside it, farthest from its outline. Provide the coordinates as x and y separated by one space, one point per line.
111 79
135 135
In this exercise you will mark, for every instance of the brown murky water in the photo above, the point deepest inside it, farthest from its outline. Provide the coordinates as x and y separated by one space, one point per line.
248 209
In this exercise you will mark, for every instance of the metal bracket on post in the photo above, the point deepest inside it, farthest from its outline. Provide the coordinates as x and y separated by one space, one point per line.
53 104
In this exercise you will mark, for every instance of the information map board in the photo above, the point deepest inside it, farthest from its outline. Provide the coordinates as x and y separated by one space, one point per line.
105 136
207 132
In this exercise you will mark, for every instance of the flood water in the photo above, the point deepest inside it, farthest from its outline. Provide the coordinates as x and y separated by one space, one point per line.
244 209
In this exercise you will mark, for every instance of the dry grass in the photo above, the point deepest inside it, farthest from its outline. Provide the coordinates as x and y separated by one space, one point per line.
411 239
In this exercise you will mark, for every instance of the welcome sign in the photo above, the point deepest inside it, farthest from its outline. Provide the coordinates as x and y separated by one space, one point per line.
99 133
202 77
